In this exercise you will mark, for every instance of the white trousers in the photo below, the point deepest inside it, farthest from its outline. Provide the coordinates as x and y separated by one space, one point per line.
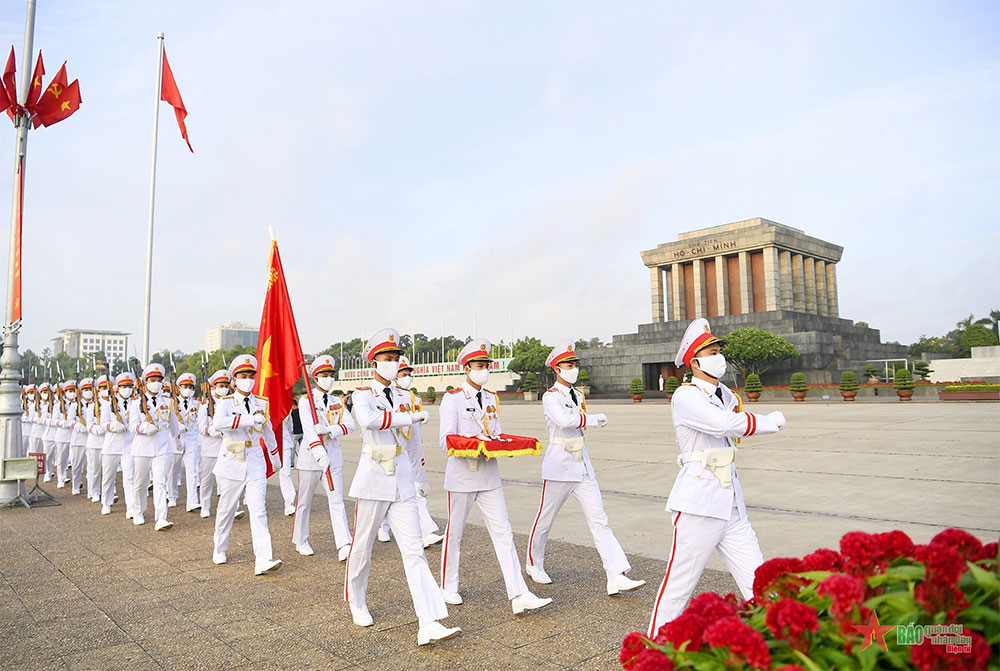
285 478
62 460
588 495
77 457
36 445
206 484
428 603
159 467
94 473
174 476
427 523
229 499
493 508
335 501
692 540
109 474
49 448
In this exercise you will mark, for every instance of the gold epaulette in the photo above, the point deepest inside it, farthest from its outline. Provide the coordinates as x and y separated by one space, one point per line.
455 390
362 388
222 398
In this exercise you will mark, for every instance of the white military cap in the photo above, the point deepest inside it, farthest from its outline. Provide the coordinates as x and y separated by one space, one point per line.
242 363
404 363
153 369
101 381
185 378
478 349
68 384
385 340
123 378
324 363
697 336
564 351
87 383
219 376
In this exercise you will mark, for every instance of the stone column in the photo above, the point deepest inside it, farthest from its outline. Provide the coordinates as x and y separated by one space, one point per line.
746 283
772 279
809 273
677 284
722 285
832 306
821 297
656 293
700 308
785 265
798 284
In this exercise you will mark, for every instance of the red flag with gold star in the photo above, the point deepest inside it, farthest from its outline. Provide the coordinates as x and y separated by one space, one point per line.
9 86
171 94
36 87
58 101
279 352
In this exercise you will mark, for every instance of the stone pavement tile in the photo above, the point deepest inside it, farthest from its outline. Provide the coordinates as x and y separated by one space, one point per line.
210 614
57 608
366 647
124 657
518 632
77 633
204 658
250 624
573 647
606 661
168 635
282 650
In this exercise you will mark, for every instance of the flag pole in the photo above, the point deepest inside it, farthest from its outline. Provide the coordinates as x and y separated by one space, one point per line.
152 198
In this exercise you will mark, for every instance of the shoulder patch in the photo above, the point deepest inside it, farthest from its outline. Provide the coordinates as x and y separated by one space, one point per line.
455 390
221 398
552 389
362 388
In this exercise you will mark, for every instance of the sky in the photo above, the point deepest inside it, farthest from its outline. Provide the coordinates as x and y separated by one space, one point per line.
488 167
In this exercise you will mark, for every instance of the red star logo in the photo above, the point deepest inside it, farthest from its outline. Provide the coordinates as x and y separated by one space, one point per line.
873 632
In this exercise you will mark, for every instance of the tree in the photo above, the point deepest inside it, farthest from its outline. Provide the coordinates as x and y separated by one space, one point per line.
938 345
993 321
754 351
977 335
922 369
529 357
588 344
863 325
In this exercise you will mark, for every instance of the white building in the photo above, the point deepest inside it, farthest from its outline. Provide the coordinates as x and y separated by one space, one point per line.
229 335
84 342
984 364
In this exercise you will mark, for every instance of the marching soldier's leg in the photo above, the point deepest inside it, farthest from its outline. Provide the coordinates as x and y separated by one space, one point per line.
554 494
207 485
142 466
459 505
127 466
256 500
161 467
740 549
338 511
405 524
613 558
427 524
109 473
49 448
368 515
77 455
303 507
229 497
94 474
693 538
191 466
493 508
285 478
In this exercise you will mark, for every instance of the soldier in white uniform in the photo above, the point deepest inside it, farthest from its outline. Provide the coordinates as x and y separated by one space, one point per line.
28 417
78 438
153 420
210 439
35 442
95 433
383 486
706 503
413 445
288 457
117 447
471 410
51 417
321 459
187 417
567 469
242 465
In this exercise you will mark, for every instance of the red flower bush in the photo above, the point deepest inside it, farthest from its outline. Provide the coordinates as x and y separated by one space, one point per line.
943 563
846 592
772 579
687 628
789 620
631 647
929 656
989 551
745 645
961 541
652 660
710 606
862 553
894 544
823 559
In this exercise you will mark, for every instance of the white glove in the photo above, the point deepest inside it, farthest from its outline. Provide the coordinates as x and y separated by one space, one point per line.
79 428
96 430
214 433
117 427
778 418
258 419
325 429
319 454
602 419
148 429
423 489
421 417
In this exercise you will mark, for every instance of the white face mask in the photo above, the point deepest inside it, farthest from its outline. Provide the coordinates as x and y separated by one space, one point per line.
104 394
125 392
714 365
71 395
186 392
87 394
220 391
154 387
325 383
387 369
479 376
245 384
569 375
404 382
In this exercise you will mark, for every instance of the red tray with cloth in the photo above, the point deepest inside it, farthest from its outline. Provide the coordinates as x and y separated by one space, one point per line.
505 445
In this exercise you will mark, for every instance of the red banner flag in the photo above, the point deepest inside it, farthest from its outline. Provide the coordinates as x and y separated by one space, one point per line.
171 94
10 87
35 91
67 103
279 352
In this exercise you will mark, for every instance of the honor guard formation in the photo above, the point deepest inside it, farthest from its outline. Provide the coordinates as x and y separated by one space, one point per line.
159 435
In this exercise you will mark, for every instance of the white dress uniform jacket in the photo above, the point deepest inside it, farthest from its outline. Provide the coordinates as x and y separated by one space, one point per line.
116 443
330 412
210 444
565 418
380 420
233 419
159 409
462 415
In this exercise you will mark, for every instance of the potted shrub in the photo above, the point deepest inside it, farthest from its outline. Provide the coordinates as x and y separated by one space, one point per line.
583 382
752 387
848 385
670 386
529 385
798 387
903 384
430 395
637 390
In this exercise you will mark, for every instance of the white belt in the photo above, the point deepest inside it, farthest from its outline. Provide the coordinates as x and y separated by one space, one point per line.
718 460
384 456
572 445
238 448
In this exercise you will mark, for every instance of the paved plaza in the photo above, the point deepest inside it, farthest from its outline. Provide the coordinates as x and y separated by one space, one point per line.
81 591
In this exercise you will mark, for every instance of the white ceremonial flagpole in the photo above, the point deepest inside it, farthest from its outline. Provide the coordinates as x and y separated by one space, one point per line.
152 198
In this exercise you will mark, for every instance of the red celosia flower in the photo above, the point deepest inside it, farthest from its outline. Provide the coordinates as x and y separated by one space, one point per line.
790 667
845 590
772 579
823 559
789 620
962 542
989 551
745 645
710 606
652 660
937 596
686 627
894 544
929 656
943 563
862 553
739 604
631 647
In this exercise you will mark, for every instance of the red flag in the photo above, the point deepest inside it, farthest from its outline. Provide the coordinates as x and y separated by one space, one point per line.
50 100
171 94
279 353
35 92
67 103
10 87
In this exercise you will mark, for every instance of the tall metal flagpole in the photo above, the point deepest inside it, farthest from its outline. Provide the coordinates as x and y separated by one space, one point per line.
10 362
152 198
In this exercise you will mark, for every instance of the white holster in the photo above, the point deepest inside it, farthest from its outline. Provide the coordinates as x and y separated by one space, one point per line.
384 456
718 460
572 445
239 448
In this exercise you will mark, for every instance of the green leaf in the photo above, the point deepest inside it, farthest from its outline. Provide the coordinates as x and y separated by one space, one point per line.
897 574
808 663
900 602
984 578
